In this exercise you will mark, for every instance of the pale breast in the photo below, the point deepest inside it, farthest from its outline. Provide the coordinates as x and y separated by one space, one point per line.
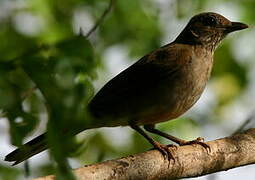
194 79
184 89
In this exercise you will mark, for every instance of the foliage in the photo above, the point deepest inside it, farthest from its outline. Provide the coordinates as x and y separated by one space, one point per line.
49 68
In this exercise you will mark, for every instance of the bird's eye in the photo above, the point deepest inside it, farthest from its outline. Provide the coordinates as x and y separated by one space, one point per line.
209 21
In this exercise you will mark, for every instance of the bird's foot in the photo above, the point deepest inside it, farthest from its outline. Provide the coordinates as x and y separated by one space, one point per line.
199 141
166 150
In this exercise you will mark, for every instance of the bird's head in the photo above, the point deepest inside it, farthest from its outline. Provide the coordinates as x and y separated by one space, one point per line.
208 29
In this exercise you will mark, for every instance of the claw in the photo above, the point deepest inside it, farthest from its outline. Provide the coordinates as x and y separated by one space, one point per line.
172 146
199 141
165 150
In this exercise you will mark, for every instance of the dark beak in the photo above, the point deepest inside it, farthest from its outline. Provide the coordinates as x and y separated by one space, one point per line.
235 26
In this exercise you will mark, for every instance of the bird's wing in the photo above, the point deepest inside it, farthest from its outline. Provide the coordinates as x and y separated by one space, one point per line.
135 89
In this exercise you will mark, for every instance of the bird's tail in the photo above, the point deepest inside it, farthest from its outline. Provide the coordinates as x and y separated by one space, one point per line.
27 150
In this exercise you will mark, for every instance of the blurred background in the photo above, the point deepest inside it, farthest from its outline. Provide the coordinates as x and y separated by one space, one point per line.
45 63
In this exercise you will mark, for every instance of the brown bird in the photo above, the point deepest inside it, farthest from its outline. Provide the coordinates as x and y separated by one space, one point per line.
161 86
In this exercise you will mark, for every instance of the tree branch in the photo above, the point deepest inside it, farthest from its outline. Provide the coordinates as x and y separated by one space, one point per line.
101 19
190 161
38 49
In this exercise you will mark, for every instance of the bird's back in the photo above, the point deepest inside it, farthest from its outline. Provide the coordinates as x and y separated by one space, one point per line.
160 86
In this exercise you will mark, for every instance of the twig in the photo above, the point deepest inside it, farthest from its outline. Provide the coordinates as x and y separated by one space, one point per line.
28 93
100 20
45 47
244 125
189 161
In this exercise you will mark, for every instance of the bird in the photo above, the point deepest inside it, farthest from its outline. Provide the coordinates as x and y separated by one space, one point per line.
159 87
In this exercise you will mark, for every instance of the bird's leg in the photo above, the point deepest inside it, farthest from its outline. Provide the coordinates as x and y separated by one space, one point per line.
181 142
165 150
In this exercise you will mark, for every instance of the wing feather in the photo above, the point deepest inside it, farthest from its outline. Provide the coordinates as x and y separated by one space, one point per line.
135 89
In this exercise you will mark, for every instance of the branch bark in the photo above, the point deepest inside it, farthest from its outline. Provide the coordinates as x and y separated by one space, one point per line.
190 161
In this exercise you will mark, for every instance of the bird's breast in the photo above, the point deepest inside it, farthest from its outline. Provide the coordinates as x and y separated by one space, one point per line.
193 78
182 90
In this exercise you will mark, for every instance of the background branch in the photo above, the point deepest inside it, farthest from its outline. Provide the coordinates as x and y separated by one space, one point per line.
101 19
190 161
42 47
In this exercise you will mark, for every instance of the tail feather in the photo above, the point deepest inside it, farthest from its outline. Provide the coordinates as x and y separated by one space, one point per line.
27 150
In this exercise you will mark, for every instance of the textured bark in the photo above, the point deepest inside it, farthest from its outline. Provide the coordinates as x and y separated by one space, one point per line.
190 161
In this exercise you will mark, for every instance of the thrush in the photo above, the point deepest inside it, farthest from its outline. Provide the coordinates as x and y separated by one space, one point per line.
159 87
